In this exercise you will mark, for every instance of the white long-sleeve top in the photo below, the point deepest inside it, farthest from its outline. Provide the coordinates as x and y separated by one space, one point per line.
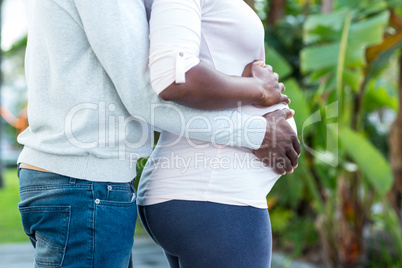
227 35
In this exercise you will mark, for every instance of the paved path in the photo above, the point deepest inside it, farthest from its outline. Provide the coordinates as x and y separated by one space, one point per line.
146 254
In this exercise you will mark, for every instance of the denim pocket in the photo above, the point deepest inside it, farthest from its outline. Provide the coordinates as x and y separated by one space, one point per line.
48 229
113 241
121 193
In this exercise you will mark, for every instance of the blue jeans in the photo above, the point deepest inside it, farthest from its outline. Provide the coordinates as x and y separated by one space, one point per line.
195 234
77 223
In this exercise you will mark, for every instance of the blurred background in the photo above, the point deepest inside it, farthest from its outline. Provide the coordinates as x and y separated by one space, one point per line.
341 63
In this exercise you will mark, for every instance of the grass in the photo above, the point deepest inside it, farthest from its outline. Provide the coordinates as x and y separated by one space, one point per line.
10 220
11 230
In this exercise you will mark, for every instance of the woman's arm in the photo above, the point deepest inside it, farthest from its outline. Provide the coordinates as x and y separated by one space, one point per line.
206 88
178 75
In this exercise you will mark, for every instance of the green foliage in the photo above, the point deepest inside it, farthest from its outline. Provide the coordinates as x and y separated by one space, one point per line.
289 196
280 219
342 63
337 44
286 39
293 231
380 94
369 159
325 32
17 47
10 220
301 233
273 58
387 239
299 103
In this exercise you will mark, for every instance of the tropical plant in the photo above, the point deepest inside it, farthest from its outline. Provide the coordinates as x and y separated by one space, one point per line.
338 61
345 58
395 140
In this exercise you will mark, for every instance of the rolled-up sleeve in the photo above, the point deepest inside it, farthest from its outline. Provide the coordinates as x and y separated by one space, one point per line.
175 34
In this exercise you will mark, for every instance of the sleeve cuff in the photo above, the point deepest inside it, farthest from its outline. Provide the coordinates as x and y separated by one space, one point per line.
167 67
250 131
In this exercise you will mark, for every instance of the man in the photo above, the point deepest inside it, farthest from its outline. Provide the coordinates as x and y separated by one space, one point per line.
89 101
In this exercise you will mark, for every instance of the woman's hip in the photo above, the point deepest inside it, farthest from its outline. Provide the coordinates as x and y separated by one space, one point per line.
209 232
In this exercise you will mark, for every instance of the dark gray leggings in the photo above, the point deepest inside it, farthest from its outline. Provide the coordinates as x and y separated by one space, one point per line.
209 235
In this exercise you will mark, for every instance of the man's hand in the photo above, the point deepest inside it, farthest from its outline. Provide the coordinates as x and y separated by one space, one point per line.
280 147
271 89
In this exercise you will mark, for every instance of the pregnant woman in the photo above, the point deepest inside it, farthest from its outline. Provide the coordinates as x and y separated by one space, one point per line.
203 203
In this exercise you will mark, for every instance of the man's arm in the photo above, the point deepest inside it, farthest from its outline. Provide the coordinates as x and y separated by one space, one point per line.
117 32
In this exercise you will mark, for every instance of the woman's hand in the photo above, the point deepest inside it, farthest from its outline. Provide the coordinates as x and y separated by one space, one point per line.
271 89
207 89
